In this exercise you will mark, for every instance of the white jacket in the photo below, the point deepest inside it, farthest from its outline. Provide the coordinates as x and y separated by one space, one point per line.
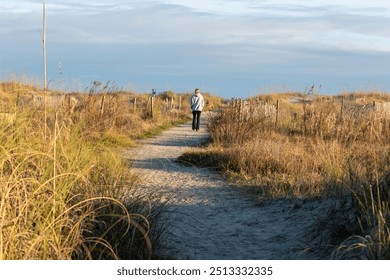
197 102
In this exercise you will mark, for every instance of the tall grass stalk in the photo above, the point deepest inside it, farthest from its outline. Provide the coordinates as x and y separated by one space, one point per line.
47 193
61 193
44 63
373 214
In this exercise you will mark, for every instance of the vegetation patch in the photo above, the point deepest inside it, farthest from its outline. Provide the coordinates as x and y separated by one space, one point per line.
65 192
304 146
205 158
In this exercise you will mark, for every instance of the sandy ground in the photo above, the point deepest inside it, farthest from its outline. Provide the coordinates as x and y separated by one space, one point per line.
214 219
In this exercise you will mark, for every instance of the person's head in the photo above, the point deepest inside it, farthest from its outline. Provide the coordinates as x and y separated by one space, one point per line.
197 91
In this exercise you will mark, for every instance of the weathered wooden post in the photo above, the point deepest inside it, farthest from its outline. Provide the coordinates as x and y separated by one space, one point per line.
102 105
151 106
277 114
239 109
17 100
134 104
180 103
152 102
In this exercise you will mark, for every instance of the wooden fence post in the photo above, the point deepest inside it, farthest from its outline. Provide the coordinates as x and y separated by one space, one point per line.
239 109
134 104
17 100
102 105
277 114
152 103
151 106
147 104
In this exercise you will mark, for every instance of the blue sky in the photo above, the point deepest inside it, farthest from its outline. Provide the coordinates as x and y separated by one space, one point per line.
229 47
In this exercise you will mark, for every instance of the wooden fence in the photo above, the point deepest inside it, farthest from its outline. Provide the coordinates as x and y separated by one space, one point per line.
106 103
308 116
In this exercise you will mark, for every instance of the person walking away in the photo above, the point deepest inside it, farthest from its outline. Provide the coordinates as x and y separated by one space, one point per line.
197 105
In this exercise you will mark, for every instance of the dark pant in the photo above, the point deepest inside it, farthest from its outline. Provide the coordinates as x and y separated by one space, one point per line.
196 119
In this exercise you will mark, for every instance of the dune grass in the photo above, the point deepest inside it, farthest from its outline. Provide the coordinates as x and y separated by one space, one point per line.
294 146
62 186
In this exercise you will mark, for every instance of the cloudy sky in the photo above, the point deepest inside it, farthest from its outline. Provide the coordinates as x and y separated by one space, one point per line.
229 47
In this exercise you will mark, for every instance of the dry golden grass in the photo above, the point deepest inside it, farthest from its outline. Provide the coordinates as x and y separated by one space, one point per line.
61 185
295 146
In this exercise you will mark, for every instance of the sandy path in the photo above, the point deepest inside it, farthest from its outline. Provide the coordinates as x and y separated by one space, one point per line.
214 219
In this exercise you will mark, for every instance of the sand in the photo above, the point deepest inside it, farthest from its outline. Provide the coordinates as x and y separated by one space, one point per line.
212 218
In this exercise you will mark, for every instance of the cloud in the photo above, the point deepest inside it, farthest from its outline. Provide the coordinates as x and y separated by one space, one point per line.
248 40
217 22
326 27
